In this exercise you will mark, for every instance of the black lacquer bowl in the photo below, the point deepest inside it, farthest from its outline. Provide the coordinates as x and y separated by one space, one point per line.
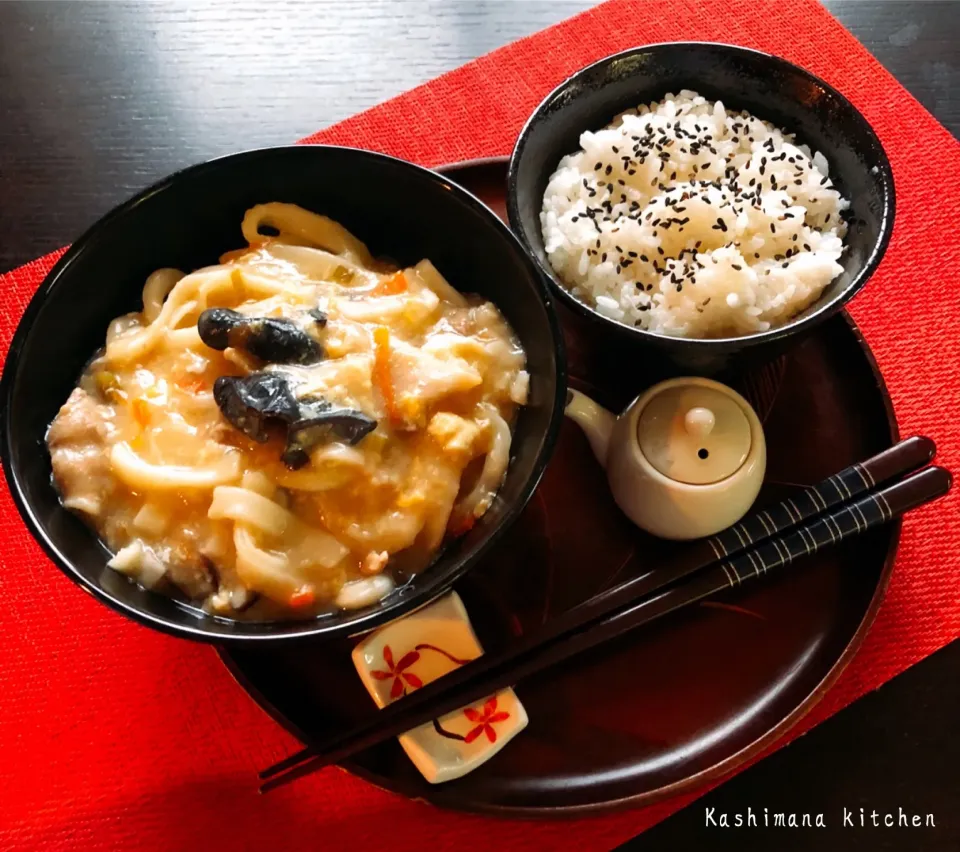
187 221
771 89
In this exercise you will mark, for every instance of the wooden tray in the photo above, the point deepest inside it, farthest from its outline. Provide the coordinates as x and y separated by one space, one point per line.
685 701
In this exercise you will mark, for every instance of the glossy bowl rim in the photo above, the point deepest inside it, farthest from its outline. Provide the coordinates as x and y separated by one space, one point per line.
718 345
287 631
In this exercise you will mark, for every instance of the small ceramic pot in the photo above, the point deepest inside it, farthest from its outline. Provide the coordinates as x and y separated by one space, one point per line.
686 459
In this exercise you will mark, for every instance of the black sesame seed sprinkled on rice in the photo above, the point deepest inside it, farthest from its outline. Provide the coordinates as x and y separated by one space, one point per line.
607 170
737 266
773 229
644 258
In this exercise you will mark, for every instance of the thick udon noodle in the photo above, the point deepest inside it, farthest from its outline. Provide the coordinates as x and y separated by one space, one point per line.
185 499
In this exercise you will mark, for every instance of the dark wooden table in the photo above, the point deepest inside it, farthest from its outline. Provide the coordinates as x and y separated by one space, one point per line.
97 100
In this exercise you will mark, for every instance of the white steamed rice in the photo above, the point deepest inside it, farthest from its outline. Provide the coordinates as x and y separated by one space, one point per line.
687 220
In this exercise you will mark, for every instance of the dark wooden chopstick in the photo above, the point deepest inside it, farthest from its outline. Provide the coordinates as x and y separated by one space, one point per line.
849 483
857 517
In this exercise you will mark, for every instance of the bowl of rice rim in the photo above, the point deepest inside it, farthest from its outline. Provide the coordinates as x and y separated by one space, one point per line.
706 202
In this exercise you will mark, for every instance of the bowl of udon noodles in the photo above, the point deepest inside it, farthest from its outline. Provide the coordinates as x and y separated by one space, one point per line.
294 392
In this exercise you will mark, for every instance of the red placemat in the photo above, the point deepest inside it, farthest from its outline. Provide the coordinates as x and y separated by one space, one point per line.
115 737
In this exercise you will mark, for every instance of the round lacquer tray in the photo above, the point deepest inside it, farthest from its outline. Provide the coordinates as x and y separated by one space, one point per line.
672 706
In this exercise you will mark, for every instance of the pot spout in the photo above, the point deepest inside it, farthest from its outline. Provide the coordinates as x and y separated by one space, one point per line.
595 421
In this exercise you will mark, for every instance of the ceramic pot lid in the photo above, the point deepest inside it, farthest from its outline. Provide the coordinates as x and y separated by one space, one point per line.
694 434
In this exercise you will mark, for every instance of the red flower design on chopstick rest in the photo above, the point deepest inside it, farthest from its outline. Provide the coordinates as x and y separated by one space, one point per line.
401 677
485 720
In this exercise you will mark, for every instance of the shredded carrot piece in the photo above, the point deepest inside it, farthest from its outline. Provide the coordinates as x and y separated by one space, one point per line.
304 596
461 526
381 370
391 286
191 383
141 411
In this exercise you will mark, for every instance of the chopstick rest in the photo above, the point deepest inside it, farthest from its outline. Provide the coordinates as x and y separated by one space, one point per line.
411 652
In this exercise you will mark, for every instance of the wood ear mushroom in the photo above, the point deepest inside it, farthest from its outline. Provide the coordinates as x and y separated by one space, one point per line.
272 340
253 403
